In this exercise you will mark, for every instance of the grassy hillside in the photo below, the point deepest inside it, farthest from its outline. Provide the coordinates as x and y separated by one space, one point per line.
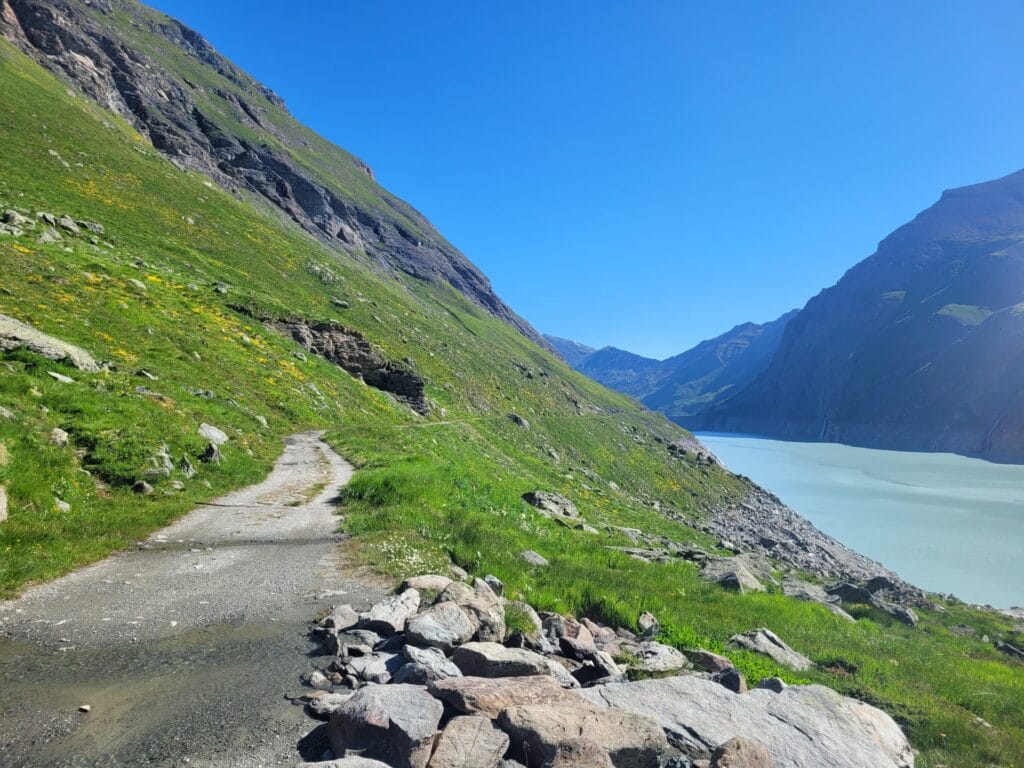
429 489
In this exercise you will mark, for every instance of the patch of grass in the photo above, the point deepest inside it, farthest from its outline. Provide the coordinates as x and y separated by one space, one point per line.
965 314
518 620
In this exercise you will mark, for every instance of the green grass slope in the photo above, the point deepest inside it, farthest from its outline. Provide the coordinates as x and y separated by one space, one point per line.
429 490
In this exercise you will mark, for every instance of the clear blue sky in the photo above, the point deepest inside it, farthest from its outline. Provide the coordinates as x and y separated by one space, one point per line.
648 174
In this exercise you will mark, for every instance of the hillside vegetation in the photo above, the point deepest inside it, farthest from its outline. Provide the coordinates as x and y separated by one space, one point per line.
182 285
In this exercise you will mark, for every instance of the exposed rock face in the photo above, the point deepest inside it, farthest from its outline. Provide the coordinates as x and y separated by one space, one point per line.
349 350
918 347
15 334
245 139
801 726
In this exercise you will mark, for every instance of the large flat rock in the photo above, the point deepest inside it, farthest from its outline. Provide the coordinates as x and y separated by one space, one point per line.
804 725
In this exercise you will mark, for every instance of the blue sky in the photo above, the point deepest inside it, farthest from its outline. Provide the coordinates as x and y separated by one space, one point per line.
649 174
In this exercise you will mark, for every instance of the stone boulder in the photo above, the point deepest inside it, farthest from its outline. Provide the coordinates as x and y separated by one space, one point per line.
215 435
488 697
740 752
392 723
426 665
803 725
431 582
765 641
342 617
657 658
390 614
15 334
533 558
551 504
444 625
706 661
495 660
484 609
580 753
536 732
731 573
470 741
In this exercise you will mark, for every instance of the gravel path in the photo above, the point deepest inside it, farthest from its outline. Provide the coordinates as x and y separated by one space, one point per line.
186 647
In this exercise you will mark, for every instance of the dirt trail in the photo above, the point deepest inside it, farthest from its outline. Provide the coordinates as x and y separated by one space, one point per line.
187 646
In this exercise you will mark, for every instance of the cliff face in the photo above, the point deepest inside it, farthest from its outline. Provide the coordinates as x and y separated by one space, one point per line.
206 115
919 347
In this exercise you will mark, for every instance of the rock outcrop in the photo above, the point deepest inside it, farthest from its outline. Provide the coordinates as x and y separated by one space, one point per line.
349 350
15 334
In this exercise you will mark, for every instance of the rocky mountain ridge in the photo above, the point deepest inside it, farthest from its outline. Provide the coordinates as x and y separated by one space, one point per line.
226 125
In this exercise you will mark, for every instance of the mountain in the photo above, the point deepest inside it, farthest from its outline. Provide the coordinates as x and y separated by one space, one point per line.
918 347
715 370
570 351
685 386
206 115
175 301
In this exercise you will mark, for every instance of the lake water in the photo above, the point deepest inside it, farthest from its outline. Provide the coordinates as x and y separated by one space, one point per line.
945 523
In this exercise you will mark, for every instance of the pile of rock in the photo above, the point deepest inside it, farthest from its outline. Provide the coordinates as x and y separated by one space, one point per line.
446 674
52 228
890 595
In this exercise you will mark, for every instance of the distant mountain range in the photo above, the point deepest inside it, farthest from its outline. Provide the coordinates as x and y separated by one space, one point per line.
918 347
685 386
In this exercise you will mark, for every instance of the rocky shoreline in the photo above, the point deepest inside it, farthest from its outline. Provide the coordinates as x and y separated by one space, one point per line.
449 673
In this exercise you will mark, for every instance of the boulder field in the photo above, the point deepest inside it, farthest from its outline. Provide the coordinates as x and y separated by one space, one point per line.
451 674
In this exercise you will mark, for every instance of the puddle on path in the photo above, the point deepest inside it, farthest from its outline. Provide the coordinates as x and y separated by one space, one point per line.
217 693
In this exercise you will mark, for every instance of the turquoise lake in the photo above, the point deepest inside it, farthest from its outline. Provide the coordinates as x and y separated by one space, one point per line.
943 522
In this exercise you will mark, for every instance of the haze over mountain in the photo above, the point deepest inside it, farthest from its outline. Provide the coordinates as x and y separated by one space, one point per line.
686 385
918 347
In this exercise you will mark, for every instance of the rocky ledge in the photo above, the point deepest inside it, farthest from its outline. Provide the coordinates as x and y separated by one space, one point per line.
451 674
